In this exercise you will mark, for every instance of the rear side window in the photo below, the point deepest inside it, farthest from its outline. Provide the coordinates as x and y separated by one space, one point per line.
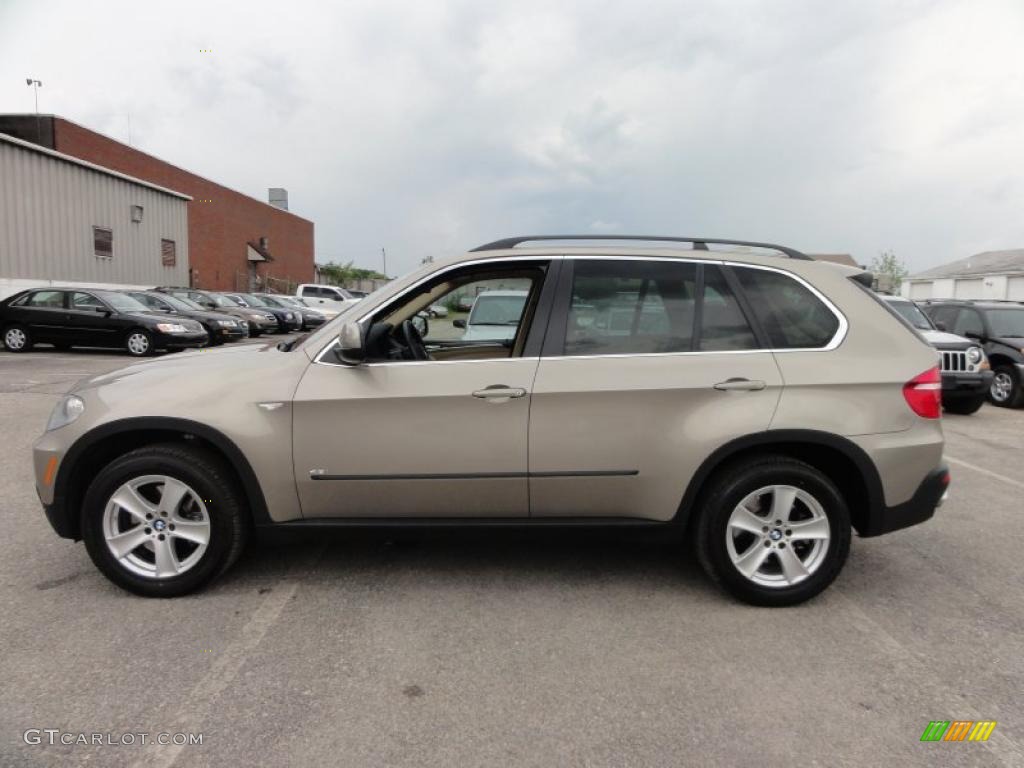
791 315
631 307
723 326
309 290
50 299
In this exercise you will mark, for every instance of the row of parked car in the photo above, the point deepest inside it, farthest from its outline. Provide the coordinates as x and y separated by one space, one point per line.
144 321
981 348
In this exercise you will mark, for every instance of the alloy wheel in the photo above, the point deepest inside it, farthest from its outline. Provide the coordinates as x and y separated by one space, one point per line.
778 536
1002 387
156 526
15 339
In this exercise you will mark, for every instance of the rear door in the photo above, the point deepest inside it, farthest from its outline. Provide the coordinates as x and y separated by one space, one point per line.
648 366
44 314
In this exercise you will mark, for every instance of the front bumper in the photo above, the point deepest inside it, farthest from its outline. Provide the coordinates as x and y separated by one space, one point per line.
965 384
180 340
930 494
230 334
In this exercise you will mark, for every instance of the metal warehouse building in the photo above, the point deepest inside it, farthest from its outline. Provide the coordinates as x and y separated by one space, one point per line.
66 221
989 275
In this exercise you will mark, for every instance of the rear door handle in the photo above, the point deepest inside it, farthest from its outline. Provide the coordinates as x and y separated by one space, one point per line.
499 392
740 385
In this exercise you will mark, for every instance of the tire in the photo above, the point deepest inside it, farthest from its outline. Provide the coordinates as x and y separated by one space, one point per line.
214 340
964 406
212 499
1006 388
254 332
17 338
139 343
724 535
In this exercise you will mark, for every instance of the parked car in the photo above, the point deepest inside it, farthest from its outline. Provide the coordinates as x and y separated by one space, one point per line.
308 318
219 327
464 303
437 310
326 296
258 320
288 319
80 317
780 406
966 373
494 315
999 327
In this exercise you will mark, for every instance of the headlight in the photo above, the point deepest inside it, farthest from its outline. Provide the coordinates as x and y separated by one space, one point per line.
171 328
69 408
288 316
974 355
227 323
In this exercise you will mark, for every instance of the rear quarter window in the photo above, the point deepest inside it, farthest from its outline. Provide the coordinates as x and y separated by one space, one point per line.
791 315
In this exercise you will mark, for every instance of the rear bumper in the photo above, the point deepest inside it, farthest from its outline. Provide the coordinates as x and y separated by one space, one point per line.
966 384
920 507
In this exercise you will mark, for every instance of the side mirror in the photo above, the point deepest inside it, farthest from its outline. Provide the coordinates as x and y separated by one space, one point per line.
459 323
940 326
350 349
421 324
973 335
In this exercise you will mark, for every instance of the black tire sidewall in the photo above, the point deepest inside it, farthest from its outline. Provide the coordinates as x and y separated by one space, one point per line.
732 488
221 504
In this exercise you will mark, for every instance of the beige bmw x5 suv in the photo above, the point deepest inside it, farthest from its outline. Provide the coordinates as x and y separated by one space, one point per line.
739 396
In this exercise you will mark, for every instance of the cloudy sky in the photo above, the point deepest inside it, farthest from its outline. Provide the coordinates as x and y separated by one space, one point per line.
430 127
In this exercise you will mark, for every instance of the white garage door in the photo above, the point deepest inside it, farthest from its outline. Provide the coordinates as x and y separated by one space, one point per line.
970 289
920 291
1015 288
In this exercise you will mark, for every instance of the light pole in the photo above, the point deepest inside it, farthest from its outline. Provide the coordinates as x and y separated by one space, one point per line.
36 84
384 255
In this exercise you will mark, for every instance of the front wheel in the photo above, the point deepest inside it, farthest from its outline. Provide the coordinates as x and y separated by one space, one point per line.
964 406
773 531
163 520
1005 390
139 343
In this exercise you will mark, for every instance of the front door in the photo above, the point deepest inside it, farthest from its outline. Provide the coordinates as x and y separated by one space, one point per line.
427 426
648 367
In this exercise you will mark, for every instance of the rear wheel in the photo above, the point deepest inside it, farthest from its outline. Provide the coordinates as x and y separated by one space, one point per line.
1005 390
774 531
17 338
163 520
139 343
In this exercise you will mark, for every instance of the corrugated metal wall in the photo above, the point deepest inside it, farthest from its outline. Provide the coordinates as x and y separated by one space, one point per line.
49 206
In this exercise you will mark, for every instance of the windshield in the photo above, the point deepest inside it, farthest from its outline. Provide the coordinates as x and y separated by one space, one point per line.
272 301
1007 322
224 301
182 304
913 314
497 310
254 301
123 303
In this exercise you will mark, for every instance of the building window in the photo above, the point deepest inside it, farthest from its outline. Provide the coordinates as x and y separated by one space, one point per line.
103 242
136 213
168 253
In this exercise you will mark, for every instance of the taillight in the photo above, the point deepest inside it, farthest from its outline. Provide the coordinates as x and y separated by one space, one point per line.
924 394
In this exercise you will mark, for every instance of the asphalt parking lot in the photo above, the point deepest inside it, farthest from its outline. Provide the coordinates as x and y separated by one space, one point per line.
494 650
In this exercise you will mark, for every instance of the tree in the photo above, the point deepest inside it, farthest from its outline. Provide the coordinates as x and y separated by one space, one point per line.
889 271
338 274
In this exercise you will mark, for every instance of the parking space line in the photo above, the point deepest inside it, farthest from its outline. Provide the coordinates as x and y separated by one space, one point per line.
984 471
227 666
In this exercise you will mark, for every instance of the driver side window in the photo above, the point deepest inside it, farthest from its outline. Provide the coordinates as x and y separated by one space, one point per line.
476 313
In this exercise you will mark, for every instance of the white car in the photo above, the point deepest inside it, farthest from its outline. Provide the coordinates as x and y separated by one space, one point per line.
321 297
495 315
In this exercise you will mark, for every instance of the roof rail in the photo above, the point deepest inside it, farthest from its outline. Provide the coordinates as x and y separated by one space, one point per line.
699 243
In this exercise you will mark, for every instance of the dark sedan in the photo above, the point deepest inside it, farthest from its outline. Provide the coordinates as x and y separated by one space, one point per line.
310 317
259 321
80 317
219 326
288 319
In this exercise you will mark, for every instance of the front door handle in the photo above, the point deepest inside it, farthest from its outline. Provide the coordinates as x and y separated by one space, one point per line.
499 392
740 385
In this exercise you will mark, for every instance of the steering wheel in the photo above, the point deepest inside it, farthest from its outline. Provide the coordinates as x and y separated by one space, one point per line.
414 341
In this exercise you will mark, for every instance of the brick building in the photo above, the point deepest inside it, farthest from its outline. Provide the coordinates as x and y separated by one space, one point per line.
235 242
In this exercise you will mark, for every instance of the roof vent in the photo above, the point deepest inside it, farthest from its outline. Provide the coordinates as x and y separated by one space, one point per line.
278 198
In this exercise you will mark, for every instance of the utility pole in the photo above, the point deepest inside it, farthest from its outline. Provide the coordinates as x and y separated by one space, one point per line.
384 254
